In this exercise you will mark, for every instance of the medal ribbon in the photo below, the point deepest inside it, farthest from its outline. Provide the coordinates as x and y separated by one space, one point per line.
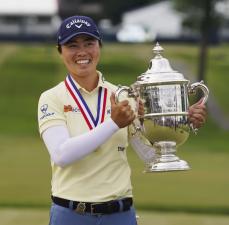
81 103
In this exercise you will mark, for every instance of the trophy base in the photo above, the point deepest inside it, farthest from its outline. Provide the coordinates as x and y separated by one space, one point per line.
167 166
165 159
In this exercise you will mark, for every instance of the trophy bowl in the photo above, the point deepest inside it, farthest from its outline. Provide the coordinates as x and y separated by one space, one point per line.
165 96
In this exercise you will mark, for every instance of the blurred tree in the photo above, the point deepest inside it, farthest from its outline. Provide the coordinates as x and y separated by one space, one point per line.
201 16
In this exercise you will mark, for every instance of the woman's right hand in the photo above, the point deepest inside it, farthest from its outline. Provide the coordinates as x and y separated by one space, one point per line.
121 112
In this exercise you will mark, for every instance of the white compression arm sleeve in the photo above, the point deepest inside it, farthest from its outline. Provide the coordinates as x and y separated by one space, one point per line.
144 151
65 150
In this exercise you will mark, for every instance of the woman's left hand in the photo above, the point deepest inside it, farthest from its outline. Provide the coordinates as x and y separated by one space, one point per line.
197 114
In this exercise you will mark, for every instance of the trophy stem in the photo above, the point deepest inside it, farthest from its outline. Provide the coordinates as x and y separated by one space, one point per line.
165 159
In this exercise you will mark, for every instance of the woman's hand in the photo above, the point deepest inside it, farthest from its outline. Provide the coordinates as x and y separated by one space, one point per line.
121 112
197 114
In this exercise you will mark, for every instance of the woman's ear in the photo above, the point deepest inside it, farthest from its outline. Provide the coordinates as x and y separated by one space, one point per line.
59 48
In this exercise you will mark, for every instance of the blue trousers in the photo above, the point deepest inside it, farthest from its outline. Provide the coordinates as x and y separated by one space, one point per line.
63 216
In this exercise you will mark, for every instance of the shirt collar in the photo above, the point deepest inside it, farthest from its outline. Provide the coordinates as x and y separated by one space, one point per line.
101 82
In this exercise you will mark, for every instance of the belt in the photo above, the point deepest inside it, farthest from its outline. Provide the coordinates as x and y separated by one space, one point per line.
95 208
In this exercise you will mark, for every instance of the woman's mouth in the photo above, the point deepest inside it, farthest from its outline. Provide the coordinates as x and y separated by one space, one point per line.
83 61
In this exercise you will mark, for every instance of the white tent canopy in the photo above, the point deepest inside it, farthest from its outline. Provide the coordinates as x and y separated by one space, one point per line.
162 19
158 18
28 7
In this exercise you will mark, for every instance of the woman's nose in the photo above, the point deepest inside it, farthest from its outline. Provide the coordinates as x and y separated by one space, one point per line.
81 51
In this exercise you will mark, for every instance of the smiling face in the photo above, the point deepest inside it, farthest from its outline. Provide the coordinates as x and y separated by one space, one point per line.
81 55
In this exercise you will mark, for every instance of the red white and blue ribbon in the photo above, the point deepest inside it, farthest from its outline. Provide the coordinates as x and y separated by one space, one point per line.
81 103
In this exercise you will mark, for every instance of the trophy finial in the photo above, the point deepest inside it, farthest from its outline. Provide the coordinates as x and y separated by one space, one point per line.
158 50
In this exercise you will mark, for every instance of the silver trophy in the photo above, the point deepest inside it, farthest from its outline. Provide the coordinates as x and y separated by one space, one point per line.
165 95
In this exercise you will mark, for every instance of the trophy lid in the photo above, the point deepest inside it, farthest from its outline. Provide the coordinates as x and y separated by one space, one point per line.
159 70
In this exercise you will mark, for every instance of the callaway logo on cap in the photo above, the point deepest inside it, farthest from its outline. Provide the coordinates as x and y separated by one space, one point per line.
76 25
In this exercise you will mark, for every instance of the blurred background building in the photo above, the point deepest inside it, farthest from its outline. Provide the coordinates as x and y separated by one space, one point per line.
132 21
163 22
28 19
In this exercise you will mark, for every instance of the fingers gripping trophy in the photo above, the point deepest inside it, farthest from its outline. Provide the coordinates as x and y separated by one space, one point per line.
165 97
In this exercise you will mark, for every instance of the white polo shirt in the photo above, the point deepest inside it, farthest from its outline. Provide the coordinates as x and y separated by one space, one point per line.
102 175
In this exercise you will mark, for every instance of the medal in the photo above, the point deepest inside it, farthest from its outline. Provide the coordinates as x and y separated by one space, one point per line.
81 103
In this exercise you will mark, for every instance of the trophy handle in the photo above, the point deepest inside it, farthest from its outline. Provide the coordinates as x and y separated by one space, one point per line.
121 89
201 86
131 94
192 90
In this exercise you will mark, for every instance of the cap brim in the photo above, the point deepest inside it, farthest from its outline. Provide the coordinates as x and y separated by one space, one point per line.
76 34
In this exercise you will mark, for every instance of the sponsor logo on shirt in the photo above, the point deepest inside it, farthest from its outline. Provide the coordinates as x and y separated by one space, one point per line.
121 149
69 108
108 111
44 110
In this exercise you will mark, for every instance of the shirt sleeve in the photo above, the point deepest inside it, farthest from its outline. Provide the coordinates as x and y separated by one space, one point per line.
140 144
50 111
65 150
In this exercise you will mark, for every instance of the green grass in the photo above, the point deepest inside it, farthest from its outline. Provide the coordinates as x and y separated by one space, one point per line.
202 189
24 217
25 73
25 169
218 67
27 70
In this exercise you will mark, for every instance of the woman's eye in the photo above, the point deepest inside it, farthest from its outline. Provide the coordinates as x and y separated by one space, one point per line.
72 46
90 43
